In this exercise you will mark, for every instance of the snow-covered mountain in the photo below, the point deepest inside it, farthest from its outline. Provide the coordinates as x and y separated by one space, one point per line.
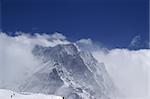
68 72
7 94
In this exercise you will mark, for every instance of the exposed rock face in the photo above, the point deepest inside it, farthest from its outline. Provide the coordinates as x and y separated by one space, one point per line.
68 72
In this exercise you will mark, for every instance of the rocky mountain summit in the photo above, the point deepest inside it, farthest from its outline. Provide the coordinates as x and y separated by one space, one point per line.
68 72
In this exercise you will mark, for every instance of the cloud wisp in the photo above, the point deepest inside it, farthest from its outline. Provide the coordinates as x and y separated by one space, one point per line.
128 68
16 58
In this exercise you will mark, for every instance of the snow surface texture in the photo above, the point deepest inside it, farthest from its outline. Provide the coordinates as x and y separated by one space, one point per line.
7 94
69 73
27 63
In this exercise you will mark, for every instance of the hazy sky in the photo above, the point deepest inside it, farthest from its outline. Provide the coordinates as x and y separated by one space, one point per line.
111 22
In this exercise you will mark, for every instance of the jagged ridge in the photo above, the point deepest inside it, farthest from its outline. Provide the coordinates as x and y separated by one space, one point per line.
70 73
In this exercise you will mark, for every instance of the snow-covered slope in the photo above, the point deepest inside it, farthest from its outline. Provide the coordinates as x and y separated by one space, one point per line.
7 94
68 72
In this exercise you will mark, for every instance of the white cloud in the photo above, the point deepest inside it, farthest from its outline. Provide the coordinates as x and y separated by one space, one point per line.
50 40
85 41
129 70
16 58
89 45
57 35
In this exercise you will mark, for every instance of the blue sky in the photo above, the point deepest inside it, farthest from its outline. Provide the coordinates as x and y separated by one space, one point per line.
113 23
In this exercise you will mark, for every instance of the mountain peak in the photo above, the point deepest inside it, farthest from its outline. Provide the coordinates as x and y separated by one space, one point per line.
70 70
69 49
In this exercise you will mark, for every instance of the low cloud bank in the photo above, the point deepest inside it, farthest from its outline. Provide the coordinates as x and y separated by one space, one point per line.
129 69
16 58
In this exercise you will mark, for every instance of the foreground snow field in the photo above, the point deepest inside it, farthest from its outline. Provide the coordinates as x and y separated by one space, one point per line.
7 94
